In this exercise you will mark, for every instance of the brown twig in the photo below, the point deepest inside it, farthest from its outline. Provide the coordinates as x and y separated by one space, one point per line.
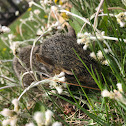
75 84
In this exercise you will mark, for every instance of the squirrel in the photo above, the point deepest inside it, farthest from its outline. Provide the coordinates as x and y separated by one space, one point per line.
56 54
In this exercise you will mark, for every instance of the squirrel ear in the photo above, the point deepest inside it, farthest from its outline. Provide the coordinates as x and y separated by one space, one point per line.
44 60
71 31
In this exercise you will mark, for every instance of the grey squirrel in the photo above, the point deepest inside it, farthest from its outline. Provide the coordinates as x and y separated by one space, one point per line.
55 55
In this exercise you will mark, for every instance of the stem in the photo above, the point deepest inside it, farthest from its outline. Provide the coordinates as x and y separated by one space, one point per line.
20 30
33 48
37 5
5 42
96 16
107 37
33 85
29 27
4 61
120 68
82 18
9 87
8 79
25 41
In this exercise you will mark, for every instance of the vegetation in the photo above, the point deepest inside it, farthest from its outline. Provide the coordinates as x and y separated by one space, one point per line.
100 27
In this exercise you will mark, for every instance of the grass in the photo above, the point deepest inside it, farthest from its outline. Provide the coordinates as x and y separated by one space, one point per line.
76 102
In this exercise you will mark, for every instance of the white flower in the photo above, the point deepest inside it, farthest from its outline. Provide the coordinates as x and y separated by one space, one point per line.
96 8
5 29
83 38
17 1
23 21
11 36
105 93
59 89
39 32
48 116
53 84
61 74
92 54
61 79
119 86
122 24
15 102
56 24
7 112
47 10
52 91
87 34
105 62
85 46
49 28
6 122
106 50
119 97
31 3
121 19
80 35
16 13
39 118
100 35
114 95
54 8
31 16
14 46
57 124
100 55
59 27
79 41
37 11
13 121
46 1
30 124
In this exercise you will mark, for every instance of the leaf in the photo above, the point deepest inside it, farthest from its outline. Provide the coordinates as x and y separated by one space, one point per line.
75 22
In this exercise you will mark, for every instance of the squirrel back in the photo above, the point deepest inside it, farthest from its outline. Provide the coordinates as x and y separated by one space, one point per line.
59 53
